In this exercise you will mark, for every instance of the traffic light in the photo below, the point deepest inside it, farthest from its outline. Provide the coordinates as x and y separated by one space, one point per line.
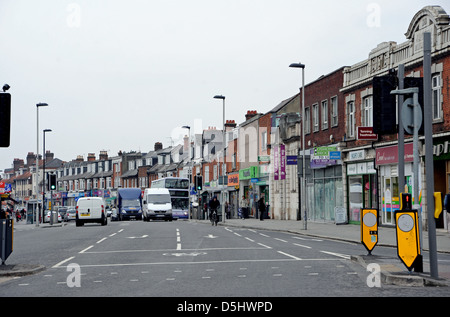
405 201
198 182
52 182
5 119
384 104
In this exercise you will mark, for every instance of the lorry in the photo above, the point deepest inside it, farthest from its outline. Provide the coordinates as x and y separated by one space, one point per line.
129 203
157 204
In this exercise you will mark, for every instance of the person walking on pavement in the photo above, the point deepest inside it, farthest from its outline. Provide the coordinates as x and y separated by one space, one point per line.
244 207
262 207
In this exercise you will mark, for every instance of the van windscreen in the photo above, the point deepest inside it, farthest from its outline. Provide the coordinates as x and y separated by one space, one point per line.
158 199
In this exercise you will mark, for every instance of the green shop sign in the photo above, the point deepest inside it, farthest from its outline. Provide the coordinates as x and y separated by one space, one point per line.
441 149
249 173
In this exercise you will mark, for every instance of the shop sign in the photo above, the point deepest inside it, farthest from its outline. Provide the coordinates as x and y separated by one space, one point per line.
441 149
366 133
291 159
324 156
249 173
233 180
389 154
276 161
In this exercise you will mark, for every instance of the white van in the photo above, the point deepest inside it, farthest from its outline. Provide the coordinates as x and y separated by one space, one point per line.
157 204
90 209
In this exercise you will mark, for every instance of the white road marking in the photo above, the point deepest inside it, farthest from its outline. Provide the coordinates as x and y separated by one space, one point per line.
82 251
301 245
101 240
347 257
286 254
62 262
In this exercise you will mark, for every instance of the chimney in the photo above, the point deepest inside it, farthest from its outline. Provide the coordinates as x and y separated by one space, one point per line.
31 159
158 146
18 163
91 157
230 124
49 156
186 144
250 114
103 155
79 158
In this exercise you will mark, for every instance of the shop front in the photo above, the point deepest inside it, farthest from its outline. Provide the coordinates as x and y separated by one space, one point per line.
325 186
361 188
387 164
248 177
441 163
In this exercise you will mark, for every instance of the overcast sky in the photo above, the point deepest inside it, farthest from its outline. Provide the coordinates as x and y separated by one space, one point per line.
122 75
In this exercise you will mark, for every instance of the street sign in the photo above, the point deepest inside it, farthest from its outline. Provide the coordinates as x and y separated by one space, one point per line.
407 232
408 116
369 228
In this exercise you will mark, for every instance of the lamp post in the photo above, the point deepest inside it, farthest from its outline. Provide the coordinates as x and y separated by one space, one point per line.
43 176
189 170
224 160
37 161
303 190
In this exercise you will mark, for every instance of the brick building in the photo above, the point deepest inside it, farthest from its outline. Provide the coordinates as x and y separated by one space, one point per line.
371 166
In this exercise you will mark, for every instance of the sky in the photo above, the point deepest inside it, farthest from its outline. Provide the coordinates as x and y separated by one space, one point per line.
123 75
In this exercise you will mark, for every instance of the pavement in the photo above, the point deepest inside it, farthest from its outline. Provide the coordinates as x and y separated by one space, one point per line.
392 270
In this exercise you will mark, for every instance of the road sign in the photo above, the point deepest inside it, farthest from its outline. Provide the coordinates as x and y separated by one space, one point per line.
369 228
408 245
408 116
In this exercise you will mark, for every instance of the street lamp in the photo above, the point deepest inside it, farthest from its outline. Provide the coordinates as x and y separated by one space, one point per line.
224 160
37 160
189 170
43 176
303 191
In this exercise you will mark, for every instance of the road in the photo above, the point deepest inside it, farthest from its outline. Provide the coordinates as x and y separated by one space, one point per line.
190 259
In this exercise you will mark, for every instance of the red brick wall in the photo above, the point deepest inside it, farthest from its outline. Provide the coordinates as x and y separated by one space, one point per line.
324 89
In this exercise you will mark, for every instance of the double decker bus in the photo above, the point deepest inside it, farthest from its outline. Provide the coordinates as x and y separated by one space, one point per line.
179 194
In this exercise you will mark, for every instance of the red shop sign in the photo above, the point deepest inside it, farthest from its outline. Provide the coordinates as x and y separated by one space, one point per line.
389 154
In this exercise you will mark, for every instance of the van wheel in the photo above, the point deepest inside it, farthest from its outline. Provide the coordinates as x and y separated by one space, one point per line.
104 221
79 223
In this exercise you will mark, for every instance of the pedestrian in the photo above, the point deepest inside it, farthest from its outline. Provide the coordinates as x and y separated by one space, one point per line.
262 207
244 207
227 210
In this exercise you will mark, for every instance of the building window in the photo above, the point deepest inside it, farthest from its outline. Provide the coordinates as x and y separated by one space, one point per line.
307 120
264 140
324 114
436 97
315 117
334 112
351 119
367 112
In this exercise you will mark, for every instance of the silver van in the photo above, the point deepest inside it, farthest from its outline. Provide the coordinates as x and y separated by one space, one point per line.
157 204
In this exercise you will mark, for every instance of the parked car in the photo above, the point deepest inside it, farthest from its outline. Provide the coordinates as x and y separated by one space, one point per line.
62 211
70 214
47 216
